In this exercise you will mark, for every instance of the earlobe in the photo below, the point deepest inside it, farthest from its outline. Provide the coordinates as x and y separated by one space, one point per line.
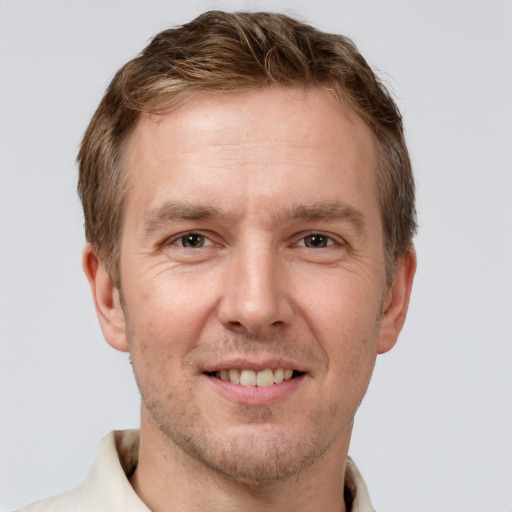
106 300
397 302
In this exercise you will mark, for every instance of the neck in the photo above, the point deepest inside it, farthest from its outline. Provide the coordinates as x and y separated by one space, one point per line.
167 475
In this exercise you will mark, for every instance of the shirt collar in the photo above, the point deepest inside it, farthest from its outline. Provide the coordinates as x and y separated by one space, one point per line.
107 482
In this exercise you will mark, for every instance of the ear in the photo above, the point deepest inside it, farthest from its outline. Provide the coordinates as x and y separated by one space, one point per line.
106 300
397 302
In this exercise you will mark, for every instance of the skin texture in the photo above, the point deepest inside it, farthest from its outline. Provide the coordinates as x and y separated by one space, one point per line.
252 178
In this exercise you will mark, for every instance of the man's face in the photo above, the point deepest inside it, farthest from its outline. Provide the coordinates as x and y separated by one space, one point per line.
252 248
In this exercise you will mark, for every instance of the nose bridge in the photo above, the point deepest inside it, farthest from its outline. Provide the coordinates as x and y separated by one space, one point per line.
255 293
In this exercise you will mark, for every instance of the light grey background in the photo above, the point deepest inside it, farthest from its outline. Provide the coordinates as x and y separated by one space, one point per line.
434 432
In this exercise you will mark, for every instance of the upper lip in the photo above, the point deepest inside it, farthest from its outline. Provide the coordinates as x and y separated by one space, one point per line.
251 364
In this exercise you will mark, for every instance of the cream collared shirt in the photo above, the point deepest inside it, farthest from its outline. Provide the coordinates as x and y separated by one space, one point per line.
107 489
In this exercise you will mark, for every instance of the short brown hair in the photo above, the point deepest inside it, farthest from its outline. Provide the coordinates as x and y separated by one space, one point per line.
221 52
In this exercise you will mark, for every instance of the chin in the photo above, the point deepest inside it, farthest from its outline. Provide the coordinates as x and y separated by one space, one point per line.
256 454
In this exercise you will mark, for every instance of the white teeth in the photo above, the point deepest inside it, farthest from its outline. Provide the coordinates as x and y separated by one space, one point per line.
248 378
263 378
234 376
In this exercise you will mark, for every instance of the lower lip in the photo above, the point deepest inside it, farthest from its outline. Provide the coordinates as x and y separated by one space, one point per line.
254 395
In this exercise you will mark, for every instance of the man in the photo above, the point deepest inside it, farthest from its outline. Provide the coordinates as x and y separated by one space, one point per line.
249 213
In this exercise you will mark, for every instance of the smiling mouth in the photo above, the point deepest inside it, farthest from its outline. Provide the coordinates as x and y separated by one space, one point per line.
252 378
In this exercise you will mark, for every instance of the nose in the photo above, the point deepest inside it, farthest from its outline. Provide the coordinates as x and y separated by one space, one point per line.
256 292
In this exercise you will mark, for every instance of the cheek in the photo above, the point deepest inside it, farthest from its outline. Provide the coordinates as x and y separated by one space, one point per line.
344 317
165 319
167 304
340 306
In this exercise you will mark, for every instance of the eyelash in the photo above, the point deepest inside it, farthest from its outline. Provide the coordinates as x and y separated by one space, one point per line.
182 236
329 240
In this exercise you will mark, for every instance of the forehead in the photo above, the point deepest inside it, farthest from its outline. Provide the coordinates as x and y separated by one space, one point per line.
254 147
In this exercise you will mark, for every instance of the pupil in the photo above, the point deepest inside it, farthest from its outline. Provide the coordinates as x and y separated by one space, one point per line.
316 241
193 241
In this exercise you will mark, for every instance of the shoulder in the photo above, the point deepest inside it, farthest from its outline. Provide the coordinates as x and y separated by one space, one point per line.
106 487
60 503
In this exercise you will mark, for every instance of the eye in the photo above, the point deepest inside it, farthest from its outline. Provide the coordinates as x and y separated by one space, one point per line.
316 241
193 241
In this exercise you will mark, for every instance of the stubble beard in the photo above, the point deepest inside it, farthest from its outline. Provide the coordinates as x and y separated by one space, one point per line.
263 457
261 453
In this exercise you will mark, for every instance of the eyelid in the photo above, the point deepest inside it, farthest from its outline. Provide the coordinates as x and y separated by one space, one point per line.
332 239
177 237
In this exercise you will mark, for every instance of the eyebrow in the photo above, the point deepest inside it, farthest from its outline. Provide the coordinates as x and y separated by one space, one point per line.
320 211
328 211
159 217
